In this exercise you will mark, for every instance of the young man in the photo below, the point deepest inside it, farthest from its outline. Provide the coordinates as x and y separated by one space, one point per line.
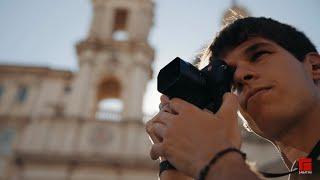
276 88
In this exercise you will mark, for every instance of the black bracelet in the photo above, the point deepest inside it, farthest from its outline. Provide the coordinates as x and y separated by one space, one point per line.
204 171
165 165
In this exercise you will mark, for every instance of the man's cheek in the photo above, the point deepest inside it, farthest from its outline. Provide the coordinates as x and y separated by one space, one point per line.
241 99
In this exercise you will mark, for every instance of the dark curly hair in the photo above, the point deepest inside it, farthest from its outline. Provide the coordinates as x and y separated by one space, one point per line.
288 37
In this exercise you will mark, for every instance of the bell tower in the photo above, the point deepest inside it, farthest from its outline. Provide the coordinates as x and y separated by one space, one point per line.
114 61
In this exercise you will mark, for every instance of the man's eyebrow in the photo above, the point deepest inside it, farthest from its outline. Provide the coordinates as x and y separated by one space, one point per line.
256 46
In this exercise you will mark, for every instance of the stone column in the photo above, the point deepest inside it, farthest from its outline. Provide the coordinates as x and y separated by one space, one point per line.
9 97
79 95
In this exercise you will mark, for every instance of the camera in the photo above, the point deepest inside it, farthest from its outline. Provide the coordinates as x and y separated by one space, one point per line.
203 88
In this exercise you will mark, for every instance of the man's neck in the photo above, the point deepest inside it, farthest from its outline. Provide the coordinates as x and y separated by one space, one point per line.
299 140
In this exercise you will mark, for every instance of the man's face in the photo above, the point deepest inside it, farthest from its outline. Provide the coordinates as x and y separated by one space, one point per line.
273 87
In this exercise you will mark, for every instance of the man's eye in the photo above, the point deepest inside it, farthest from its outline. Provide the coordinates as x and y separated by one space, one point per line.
258 54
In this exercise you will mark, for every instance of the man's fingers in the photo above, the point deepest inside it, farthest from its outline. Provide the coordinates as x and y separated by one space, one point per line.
149 129
178 105
157 126
164 105
157 132
156 151
229 107
159 129
166 108
160 117
164 99
164 118
153 137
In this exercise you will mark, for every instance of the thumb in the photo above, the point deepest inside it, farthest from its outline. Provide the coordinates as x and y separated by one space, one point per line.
229 107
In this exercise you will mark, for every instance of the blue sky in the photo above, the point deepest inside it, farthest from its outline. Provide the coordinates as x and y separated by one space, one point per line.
43 32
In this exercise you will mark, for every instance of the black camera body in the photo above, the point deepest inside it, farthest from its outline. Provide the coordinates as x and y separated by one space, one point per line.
203 88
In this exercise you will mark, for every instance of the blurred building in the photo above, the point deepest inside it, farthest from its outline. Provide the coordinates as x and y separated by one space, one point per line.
62 125
88 125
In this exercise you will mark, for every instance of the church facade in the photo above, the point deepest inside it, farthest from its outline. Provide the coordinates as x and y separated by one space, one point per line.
51 124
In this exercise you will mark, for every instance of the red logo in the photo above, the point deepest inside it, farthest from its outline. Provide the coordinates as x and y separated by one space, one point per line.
305 166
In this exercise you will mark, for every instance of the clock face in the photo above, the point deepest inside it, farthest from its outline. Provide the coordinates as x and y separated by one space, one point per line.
100 136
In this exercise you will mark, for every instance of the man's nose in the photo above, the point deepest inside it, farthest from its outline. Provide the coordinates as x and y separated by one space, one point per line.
244 75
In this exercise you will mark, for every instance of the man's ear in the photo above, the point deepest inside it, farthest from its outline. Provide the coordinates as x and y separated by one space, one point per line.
313 59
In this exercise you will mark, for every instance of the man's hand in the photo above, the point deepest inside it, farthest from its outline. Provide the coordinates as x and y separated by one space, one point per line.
163 107
189 137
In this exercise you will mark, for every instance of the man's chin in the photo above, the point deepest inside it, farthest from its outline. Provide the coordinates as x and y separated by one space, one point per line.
270 127
266 123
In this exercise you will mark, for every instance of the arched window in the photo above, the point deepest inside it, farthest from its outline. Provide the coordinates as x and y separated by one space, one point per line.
120 35
112 104
109 109
22 94
1 91
120 32
109 104
6 140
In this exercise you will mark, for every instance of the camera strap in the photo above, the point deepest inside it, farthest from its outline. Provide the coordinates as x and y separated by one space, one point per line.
314 154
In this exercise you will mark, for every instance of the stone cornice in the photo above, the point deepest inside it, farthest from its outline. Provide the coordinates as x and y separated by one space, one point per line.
127 46
33 70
